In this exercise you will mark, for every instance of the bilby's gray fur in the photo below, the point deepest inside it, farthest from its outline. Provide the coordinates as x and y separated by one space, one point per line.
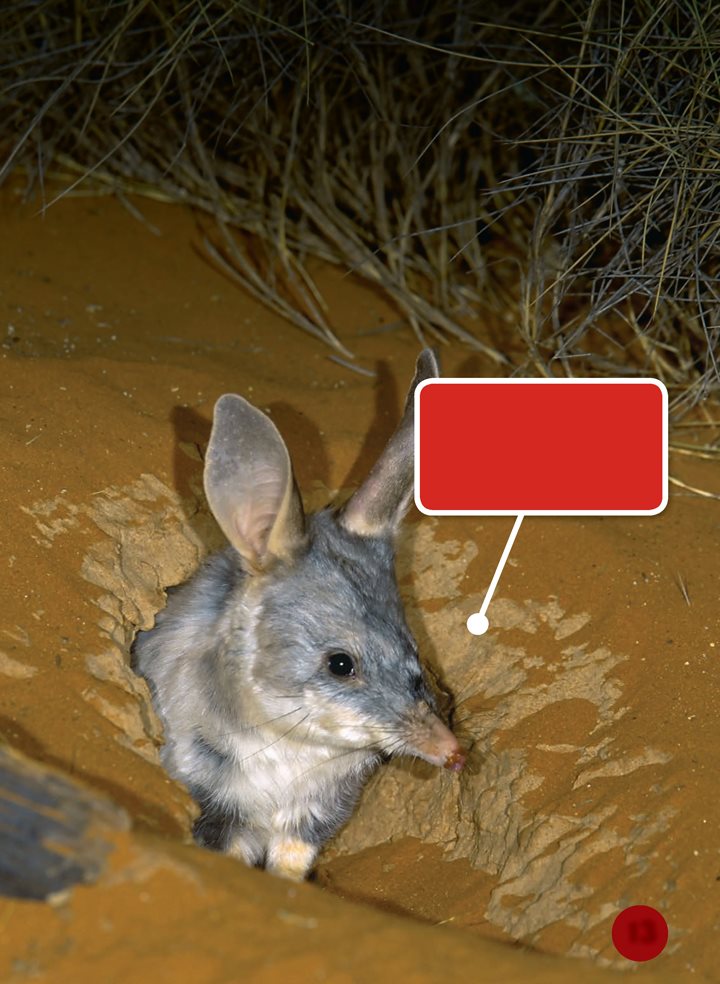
283 670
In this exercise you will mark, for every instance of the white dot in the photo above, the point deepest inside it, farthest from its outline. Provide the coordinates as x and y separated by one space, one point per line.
478 623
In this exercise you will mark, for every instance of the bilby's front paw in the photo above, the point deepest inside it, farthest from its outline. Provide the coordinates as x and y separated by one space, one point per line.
291 858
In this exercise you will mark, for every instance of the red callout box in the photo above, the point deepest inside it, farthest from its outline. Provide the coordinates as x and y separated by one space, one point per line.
541 446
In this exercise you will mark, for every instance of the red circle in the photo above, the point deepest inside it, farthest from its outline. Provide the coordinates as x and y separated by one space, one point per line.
640 933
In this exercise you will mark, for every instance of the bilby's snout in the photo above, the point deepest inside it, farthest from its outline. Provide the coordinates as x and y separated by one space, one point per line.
433 741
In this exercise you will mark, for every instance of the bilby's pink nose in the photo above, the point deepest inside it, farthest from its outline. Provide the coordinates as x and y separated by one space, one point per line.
455 761
435 742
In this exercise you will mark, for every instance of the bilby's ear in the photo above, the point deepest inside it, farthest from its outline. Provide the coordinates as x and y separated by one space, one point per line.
382 500
250 486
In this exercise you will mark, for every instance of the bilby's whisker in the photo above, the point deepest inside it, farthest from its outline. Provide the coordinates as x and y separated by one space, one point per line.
271 743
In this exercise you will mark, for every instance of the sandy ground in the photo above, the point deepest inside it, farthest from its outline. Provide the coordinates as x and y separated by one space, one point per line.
590 708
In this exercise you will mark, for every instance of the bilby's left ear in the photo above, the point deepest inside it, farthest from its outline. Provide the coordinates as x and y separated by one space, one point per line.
380 503
250 486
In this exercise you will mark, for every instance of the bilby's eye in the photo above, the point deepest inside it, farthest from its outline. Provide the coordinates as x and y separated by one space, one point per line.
340 664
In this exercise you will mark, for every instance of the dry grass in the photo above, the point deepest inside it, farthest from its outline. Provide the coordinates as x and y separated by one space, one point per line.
554 164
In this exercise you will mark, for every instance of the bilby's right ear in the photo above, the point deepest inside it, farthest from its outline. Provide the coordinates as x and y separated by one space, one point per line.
250 486
382 500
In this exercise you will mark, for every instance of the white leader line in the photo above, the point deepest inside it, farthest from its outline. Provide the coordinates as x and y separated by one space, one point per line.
478 622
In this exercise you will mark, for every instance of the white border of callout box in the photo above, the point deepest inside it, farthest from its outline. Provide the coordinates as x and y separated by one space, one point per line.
468 381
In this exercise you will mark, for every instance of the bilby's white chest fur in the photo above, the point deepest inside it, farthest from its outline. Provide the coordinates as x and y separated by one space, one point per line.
272 782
